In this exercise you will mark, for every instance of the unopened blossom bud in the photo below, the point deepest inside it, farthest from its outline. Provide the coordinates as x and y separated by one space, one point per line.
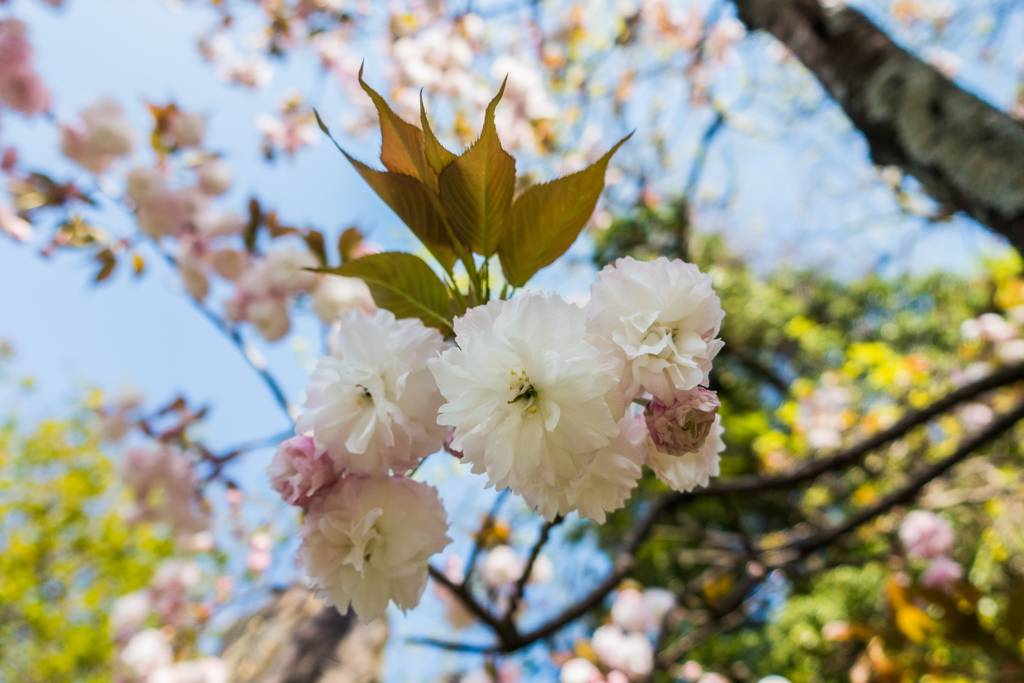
214 177
836 631
942 572
299 470
925 534
14 225
683 425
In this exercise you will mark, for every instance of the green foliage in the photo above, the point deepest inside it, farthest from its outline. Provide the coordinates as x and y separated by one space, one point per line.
476 189
887 345
65 555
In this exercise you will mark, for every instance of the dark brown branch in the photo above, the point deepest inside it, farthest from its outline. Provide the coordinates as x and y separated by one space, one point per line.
520 587
967 154
452 646
910 491
505 634
852 455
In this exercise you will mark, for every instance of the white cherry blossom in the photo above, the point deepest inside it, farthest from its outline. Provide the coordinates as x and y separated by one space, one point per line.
373 403
664 318
532 396
368 539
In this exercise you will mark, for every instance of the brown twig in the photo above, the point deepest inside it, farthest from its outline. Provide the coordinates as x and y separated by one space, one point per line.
520 587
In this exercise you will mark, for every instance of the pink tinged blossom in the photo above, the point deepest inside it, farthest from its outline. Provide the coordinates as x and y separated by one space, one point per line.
146 652
211 224
214 177
259 558
372 403
14 225
299 470
270 317
23 91
187 130
165 486
229 263
103 136
9 160
144 184
630 653
336 296
579 670
203 670
501 567
684 424
942 572
367 541
169 589
171 213
925 534
15 51
129 614
690 470
692 671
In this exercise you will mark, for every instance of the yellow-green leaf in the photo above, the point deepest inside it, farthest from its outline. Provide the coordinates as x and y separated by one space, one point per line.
401 148
437 155
547 219
476 189
403 284
410 199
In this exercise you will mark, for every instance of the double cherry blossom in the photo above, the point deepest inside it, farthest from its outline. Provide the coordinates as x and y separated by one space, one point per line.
535 393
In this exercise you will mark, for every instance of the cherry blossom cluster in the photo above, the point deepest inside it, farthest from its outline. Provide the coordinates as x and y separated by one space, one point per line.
927 536
535 393
153 626
622 649
21 88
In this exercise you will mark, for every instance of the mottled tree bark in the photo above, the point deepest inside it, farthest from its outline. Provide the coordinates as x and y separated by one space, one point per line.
296 639
967 154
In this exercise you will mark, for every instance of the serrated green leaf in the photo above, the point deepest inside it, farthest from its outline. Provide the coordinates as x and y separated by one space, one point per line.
476 189
401 148
410 199
437 155
547 219
403 284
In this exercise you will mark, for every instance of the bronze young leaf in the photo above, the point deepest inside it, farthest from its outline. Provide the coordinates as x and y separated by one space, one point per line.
410 199
477 187
401 148
547 219
403 284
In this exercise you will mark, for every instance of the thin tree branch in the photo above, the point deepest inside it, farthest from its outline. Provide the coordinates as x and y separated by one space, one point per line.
520 588
907 493
479 541
452 646
505 635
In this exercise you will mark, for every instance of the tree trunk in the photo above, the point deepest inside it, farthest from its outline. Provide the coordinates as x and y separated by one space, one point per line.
967 154
296 639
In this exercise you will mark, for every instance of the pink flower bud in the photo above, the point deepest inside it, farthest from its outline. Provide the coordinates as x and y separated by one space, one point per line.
682 426
299 470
